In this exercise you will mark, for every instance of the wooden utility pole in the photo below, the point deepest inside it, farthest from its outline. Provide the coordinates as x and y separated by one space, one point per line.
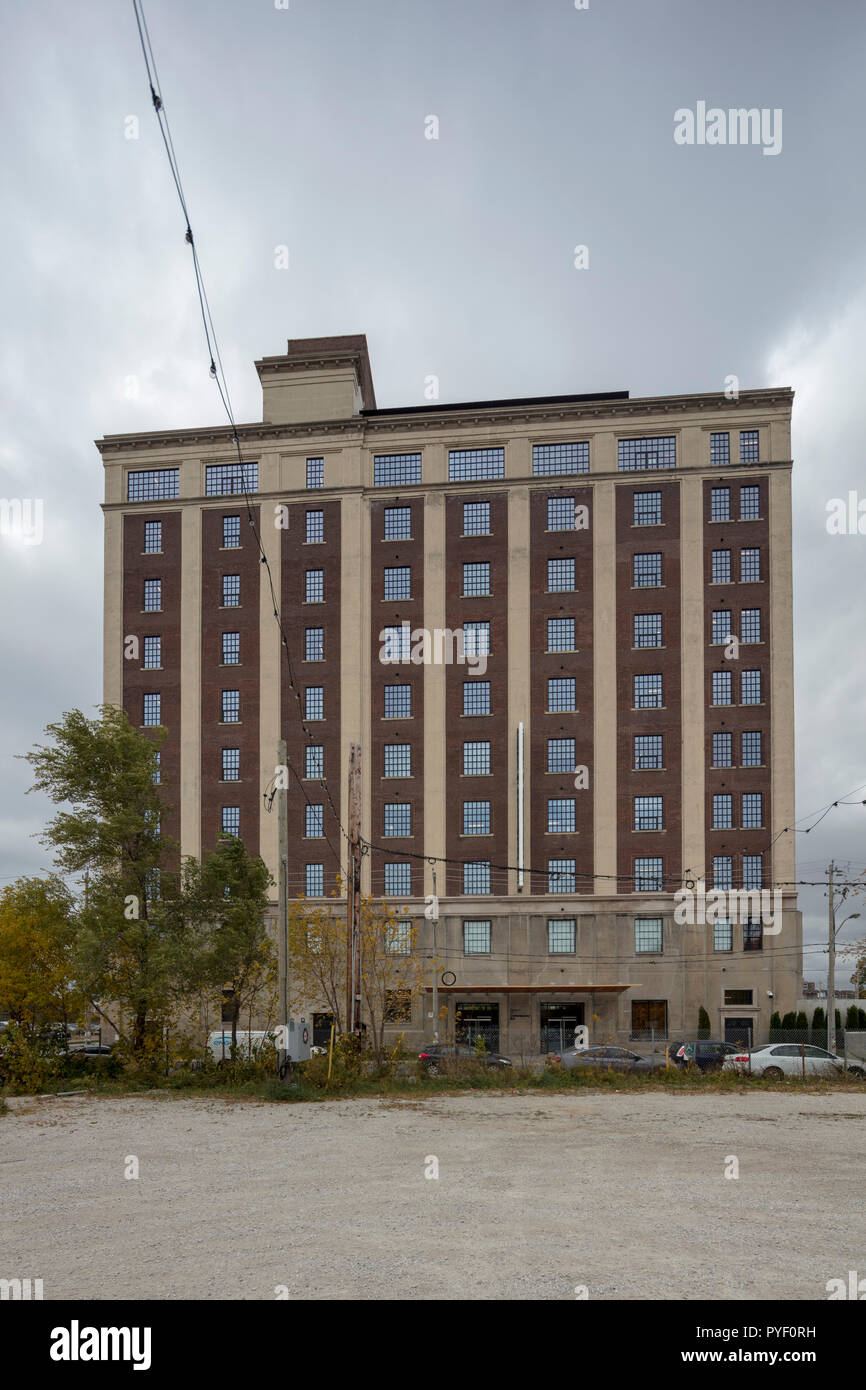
283 908
353 897
831 968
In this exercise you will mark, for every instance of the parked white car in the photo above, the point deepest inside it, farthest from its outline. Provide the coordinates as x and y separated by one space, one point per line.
788 1059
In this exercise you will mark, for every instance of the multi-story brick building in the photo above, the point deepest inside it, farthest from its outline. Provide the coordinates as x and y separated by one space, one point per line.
600 552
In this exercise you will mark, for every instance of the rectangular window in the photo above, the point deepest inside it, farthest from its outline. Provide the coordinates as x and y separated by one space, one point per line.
313 820
314 587
722 688
150 710
153 537
398 884
648 935
231 532
648 813
753 937
231 764
720 448
721 572
723 935
230 706
465 465
316 472
561 695
722 750
647 509
476 697
750 565
635 455
560 815
649 1019
314 644
752 754
476 759
476 518
561 877
476 877
476 639
750 625
750 503
393 470
398 524
722 812
314 880
314 702
231 591
476 818
398 819
560 634
753 810
398 702
152 595
398 582
476 938
557 459
648 691
723 871
720 504
560 514
476 579
314 760
748 446
647 629
398 760
315 527
152 653
157 770
231 649
647 571
396 642
750 688
721 626
231 820
648 875
561 936
152 485
648 752
560 754
560 576
221 479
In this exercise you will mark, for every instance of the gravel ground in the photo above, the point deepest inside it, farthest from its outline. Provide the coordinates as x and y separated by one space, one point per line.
536 1195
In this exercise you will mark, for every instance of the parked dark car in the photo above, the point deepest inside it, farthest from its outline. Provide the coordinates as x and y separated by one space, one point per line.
607 1059
90 1049
705 1053
445 1056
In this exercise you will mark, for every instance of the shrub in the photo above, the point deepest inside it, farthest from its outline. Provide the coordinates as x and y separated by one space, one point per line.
790 1020
802 1021
775 1020
851 1018
703 1023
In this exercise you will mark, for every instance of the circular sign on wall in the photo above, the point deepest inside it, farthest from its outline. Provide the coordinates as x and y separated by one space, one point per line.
449 978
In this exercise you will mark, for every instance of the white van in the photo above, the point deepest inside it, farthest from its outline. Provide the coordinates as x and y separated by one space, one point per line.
295 1039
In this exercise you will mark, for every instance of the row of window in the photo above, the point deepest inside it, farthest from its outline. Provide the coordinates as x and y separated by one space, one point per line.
647 627
562 875
464 465
562 935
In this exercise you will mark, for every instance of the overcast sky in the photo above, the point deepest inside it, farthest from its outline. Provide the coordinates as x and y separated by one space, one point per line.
305 127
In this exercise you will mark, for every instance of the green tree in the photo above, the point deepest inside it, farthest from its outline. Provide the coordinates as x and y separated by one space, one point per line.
222 937
802 1022
703 1023
105 770
37 947
790 1020
819 1020
775 1021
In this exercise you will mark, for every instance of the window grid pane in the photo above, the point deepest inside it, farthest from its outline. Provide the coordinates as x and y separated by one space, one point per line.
398 524
720 504
314 702
152 595
648 934
152 653
476 878
647 571
752 753
476 580
723 871
231 820
560 514
753 810
750 688
637 454
224 478
398 884
231 532
647 629
750 503
313 819
398 582
750 566
722 750
750 625
476 639
723 935
314 760
231 590
314 589
152 537
316 472
314 644
721 626
557 459
476 938
476 518
561 695
648 692
391 470
721 572
398 760
231 706
648 752
561 815
475 464
231 764
722 688
398 819
315 527
561 754
748 446
560 634
647 508
398 701
722 811
560 576
648 813
152 485
561 936
476 818
561 877
231 650
753 871
476 759
648 875
476 697
314 875
150 709
720 448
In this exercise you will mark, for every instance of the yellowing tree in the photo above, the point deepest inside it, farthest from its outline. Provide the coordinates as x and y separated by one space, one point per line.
37 940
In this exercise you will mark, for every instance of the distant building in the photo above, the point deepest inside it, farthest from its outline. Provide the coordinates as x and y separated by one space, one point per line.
601 744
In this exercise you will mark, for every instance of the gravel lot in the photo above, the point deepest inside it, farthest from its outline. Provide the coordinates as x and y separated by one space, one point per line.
623 1193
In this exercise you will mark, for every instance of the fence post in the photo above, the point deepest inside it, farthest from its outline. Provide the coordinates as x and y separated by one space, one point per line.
803 1058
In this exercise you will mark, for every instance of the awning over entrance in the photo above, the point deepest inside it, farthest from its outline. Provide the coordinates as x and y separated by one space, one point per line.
530 989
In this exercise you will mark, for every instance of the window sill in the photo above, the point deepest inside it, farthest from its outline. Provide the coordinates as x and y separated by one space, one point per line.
152 668
151 552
